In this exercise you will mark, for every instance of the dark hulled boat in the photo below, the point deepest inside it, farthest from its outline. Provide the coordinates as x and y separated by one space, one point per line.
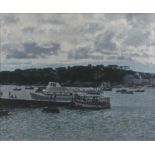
17 89
50 110
30 88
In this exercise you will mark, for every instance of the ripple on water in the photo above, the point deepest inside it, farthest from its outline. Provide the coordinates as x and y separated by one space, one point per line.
132 117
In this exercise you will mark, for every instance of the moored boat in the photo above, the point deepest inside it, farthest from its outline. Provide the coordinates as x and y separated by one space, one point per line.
53 92
50 110
30 88
40 89
107 89
17 89
140 90
127 92
124 91
105 86
89 101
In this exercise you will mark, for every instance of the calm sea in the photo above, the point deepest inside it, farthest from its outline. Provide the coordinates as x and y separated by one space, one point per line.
131 117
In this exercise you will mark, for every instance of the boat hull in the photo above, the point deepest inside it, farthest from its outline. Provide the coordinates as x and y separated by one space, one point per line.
42 97
76 107
50 110
96 106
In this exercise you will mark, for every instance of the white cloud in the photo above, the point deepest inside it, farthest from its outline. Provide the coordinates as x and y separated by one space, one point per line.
81 37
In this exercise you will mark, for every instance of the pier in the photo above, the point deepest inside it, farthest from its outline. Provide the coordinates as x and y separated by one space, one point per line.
21 103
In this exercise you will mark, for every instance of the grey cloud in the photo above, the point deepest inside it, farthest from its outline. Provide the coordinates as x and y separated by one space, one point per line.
48 19
92 27
112 57
151 43
140 30
96 57
54 21
146 55
140 54
135 54
28 29
79 53
10 19
103 45
132 18
123 57
19 63
114 16
32 51
107 52
136 37
140 18
98 36
104 41
84 53
119 58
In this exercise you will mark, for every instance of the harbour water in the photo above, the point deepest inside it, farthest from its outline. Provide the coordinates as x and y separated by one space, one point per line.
131 117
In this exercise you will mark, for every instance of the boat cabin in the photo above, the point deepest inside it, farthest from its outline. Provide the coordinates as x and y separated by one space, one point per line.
55 88
91 101
89 97
54 84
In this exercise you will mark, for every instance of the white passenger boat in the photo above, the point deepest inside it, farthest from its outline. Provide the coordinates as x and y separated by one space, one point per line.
53 92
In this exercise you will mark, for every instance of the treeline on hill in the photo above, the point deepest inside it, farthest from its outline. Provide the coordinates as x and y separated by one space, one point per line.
68 76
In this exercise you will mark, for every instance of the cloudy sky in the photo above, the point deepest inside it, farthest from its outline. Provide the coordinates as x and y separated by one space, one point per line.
41 40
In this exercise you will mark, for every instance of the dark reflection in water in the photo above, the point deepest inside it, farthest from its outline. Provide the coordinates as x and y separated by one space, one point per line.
132 117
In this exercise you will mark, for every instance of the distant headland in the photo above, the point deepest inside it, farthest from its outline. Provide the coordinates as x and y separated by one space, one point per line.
89 75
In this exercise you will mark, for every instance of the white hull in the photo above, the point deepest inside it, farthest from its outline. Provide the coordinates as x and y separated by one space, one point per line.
42 97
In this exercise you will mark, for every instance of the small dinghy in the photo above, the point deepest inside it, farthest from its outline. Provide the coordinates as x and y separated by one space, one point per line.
140 90
50 110
17 89
127 92
107 89
124 91
30 88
